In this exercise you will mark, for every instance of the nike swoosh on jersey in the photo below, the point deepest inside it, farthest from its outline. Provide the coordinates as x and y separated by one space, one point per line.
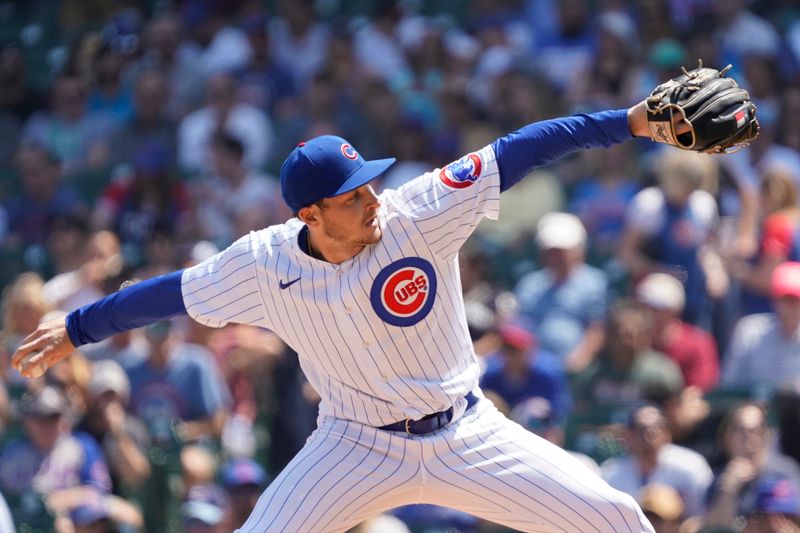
287 284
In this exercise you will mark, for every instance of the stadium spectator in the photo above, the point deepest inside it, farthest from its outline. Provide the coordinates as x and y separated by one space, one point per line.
77 137
122 436
377 49
668 227
693 349
222 111
764 348
99 260
43 196
206 510
149 121
244 480
233 190
663 506
299 40
48 458
149 200
777 508
566 301
652 458
214 44
628 371
746 440
264 83
177 390
108 94
162 52
521 370
601 197
780 241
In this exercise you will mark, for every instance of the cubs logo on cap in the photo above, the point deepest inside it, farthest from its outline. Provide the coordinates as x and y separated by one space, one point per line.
403 292
462 173
349 152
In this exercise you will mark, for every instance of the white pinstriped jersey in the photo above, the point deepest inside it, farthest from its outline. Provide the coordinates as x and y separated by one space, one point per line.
381 337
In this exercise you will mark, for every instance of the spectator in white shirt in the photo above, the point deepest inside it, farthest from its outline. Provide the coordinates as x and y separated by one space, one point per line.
765 348
232 192
652 458
222 111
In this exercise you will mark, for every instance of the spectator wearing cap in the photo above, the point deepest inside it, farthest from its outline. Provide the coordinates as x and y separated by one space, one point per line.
663 506
43 196
652 458
48 457
244 480
765 348
777 508
150 199
233 191
746 440
122 436
668 227
223 112
566 301
206 510
520 370
628 370
693 349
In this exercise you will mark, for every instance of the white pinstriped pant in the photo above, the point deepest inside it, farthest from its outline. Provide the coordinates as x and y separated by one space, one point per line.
482 464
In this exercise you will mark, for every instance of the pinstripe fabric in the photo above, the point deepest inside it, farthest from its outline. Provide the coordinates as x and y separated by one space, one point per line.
383 337
364 368
482 464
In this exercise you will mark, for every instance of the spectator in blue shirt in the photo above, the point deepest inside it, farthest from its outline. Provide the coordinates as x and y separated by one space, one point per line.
178 390
521 371
48 458
566 301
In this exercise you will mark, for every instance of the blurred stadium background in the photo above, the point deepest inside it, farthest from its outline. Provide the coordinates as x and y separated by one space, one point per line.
652 325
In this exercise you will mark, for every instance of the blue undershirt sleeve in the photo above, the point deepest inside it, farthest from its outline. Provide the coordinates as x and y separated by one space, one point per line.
140 304
519 152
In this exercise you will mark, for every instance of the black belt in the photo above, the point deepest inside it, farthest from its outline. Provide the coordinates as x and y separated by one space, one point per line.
428 423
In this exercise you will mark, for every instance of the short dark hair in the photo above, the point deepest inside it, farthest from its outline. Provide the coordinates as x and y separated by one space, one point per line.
228 142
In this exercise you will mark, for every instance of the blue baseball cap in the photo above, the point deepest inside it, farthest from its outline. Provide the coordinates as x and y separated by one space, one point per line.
243 471
323 167
778 495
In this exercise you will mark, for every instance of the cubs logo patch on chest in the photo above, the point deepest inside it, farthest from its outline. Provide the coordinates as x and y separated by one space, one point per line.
403 292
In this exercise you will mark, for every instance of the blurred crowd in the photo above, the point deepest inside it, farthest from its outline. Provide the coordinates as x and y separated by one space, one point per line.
638 306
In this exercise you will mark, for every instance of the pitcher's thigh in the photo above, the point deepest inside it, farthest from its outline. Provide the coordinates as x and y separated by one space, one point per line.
342 476
501 472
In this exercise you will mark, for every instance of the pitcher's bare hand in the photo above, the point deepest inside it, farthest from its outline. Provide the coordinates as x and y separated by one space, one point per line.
43 348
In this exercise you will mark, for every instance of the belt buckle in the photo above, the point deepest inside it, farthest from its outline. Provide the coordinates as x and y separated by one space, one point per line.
408 424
